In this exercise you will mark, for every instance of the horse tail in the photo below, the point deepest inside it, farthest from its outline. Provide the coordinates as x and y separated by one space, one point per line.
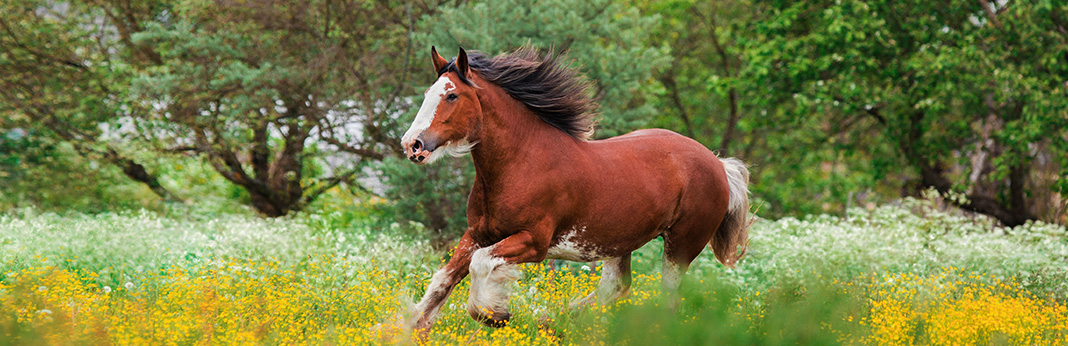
731 239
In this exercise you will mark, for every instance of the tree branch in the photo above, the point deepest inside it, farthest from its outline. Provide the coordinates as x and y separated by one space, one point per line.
990 14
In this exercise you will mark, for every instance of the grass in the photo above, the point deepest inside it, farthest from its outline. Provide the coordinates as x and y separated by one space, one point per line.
895 275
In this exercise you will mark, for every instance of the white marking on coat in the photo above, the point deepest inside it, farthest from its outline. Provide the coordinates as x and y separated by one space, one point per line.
569 248
491 282
611 285
671 275
429 109
454 149
436 286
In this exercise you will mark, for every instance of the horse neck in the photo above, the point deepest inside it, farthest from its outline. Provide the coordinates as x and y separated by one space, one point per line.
512 135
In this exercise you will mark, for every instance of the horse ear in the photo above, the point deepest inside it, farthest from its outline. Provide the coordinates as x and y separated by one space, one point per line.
439 62
461 63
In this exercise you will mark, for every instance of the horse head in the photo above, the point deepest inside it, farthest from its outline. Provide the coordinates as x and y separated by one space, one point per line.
450 114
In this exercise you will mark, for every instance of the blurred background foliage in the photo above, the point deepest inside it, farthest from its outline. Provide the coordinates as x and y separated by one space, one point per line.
274 107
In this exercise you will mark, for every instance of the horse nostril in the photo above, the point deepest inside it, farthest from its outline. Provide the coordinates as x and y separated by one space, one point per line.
420 158
418 144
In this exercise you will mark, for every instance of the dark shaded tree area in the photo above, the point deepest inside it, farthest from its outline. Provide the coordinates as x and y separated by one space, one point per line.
834 103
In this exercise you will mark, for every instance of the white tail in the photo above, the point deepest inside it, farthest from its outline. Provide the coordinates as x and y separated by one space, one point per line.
729 242
738 180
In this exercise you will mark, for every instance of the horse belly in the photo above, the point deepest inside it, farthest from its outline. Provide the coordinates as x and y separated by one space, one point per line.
582 243
571 246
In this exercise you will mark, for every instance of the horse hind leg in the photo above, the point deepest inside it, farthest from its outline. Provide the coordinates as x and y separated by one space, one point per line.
614 284
682 244
671 273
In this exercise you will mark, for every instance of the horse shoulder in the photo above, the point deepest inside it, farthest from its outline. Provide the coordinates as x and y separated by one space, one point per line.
534 202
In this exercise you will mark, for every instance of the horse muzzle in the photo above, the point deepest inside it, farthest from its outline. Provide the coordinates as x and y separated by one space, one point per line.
418 150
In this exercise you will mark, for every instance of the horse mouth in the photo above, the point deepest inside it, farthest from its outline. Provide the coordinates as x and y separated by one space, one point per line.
420 158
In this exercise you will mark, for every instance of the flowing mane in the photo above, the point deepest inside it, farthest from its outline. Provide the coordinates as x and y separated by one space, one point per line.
554 91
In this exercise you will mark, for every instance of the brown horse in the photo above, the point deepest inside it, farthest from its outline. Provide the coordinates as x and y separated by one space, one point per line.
544 190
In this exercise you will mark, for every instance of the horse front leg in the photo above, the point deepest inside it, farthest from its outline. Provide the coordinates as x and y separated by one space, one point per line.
494 269
441 285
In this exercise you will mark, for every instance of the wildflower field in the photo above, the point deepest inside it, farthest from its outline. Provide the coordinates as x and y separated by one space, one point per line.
895 275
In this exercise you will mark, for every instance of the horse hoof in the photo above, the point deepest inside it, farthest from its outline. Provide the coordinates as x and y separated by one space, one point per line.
494 320
498 321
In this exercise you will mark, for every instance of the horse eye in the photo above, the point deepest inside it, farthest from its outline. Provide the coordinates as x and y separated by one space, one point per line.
452 97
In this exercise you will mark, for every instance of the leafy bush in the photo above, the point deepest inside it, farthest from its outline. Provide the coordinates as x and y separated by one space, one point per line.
434 195
40 173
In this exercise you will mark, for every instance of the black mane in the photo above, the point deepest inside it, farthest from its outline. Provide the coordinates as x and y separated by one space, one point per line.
554 91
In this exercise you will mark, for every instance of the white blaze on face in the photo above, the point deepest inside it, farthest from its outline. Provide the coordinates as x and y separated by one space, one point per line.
428 110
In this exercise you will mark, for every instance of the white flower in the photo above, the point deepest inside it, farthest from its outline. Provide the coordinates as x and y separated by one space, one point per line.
128 285
44 311
107 289
42 289
586 268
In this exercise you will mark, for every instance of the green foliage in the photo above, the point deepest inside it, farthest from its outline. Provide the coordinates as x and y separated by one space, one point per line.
36 172
715 310
964 96
700 80
435 195
706 96
232 83
63 82
833 103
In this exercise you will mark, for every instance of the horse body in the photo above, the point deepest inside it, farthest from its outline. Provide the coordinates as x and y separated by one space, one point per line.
644 183
541 191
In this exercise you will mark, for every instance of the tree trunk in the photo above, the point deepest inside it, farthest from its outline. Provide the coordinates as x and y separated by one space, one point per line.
728 133
932 175
264 205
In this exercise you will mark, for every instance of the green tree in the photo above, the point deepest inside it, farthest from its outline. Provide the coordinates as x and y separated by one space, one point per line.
64 72
705 97
969 96
700 97
261 90
284 99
